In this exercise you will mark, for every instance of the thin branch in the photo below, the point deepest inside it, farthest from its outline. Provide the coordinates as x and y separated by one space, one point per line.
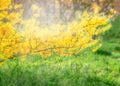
52 49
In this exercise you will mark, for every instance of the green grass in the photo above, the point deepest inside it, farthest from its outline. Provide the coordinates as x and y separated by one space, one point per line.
85 70
101 68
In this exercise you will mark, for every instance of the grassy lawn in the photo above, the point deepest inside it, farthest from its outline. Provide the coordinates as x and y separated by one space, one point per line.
101 68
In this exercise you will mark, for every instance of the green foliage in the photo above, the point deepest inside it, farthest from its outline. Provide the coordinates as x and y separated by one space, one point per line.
85 70
114 33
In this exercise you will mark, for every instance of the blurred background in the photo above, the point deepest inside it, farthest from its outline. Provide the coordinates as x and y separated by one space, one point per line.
65 10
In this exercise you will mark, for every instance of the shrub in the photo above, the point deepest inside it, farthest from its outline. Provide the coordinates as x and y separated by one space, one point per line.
22 37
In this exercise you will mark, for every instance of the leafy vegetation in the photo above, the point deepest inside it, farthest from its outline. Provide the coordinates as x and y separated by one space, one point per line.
24 47
87 69
113 35
101 68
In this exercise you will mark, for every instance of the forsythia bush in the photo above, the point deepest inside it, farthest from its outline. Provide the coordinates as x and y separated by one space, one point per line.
33 38
8 36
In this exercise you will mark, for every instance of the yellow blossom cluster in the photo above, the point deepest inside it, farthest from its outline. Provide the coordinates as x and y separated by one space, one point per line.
62 39
8 36
56 38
